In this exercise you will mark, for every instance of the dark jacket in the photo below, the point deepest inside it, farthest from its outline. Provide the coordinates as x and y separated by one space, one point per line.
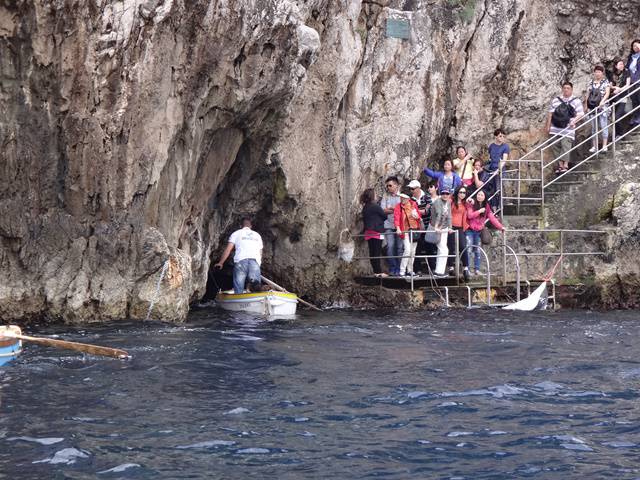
373 217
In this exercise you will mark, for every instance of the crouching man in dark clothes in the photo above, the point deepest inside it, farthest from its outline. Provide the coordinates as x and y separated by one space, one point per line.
247 257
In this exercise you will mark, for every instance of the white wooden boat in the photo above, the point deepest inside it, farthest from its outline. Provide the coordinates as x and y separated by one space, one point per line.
263 303
538 300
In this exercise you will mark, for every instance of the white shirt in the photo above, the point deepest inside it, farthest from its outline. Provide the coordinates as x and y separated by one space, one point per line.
248 244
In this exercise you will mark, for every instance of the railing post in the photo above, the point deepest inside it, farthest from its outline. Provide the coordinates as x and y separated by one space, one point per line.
561 252
504 258
501 195
614 132
542 182
457 257
519 190
595 129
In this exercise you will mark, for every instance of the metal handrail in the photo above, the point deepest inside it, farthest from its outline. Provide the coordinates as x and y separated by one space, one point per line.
561 252
404 232
488 274
619 98
582 121
588 116
589 157
504 265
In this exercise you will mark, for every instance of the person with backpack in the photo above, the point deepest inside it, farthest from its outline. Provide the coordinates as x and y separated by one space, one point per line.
597 95
565 110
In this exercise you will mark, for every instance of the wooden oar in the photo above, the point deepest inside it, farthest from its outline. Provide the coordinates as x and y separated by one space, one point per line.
79 347
278 287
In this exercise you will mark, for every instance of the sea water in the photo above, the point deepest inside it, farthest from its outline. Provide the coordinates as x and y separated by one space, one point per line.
341 395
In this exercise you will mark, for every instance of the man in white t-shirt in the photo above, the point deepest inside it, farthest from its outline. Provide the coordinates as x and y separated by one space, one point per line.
564 111
247 258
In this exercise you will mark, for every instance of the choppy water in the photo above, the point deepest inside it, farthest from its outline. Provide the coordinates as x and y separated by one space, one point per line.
442 395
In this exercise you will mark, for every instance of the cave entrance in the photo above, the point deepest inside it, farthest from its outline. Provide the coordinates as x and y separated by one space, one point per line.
218 280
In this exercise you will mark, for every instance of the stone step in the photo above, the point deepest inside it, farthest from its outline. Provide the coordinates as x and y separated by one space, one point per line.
562 185
524 210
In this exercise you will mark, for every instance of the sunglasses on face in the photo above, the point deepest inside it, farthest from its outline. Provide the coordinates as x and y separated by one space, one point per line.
463 192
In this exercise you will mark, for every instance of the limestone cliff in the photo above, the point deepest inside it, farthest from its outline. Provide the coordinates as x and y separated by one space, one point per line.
138 131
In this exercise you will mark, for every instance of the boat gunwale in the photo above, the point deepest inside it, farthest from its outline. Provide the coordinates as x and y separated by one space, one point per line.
255 296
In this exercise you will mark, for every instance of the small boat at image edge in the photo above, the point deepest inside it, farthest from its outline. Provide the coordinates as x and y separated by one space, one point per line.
10 348
264 303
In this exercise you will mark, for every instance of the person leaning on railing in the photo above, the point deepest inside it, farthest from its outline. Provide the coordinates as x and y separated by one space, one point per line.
460 224
373 218
633 64
620 82
498 155
597 95
478 212
480 176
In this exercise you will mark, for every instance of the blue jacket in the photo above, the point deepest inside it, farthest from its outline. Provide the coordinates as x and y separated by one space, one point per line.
457 181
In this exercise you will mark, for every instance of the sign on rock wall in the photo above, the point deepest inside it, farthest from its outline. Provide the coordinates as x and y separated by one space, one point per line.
398 28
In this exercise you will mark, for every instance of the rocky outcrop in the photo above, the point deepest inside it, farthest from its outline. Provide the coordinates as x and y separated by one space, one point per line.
137 132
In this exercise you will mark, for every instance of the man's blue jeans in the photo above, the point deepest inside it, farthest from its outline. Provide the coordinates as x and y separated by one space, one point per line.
243 269
395 248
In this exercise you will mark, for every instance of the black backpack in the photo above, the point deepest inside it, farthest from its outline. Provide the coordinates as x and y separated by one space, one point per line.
595 97
563 113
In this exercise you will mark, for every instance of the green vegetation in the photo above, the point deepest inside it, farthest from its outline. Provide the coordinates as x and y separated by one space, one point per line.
466 9
280 192
605 213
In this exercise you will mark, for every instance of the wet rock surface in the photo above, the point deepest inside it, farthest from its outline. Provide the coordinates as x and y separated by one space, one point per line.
136 133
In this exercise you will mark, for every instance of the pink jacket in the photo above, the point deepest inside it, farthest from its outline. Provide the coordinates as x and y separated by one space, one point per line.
477 220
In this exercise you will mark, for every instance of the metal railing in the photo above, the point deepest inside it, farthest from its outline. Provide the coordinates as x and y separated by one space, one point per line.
560 252
538 163
412 258
507 251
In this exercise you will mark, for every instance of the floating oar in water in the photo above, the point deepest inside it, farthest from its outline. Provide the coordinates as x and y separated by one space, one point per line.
79 347
278 287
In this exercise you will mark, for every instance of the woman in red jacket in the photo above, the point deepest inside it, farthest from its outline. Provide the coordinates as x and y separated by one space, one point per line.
478 212
406 216
459 224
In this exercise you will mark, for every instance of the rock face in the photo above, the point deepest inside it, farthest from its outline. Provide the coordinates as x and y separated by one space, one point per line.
135 133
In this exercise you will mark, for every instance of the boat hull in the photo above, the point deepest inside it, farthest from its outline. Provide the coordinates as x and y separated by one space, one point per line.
10 348
262 303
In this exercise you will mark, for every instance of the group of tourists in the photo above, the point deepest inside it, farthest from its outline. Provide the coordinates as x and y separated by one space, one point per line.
609 94
428 225
460 201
